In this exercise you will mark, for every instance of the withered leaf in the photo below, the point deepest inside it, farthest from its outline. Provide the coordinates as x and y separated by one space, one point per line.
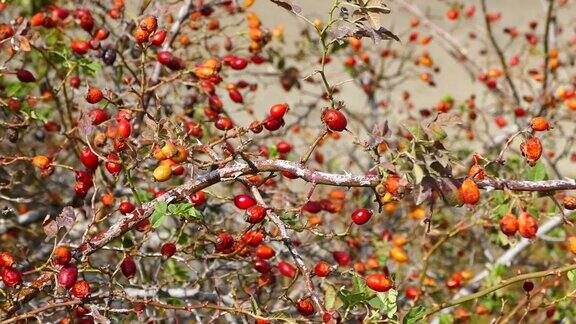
85 126
98 318
52 225
288 6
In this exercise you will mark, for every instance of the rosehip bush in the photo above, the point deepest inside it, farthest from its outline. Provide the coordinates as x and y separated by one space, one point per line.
247 161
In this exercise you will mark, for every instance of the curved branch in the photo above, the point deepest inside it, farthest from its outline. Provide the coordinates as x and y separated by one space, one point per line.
503 284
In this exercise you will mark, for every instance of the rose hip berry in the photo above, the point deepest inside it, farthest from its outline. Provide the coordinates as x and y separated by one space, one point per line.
334 119
244 201
361 216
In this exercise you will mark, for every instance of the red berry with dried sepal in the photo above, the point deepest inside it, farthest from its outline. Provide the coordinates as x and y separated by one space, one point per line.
256 214
168 249
98 116
335 120
322 269
305 307
224 242
278 111
112 166
126 207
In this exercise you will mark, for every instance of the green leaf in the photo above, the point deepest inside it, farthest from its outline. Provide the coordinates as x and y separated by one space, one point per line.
350 298
418 173
18 89
176 271
446 319
537 172
184 210
144 195
417 132
413 315
377 302
572 277
437 131
159 214
331 298
90 67
272 151
359 284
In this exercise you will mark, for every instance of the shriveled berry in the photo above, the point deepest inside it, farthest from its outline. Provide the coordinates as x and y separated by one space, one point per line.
11 277
256 214
509 224
569 202
531 149
81 289
94 95
224 242
7 259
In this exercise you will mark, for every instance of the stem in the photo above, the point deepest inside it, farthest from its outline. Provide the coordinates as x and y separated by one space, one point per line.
499 53
505 283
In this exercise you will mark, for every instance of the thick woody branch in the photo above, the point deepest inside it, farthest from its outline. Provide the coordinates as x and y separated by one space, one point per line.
228 173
